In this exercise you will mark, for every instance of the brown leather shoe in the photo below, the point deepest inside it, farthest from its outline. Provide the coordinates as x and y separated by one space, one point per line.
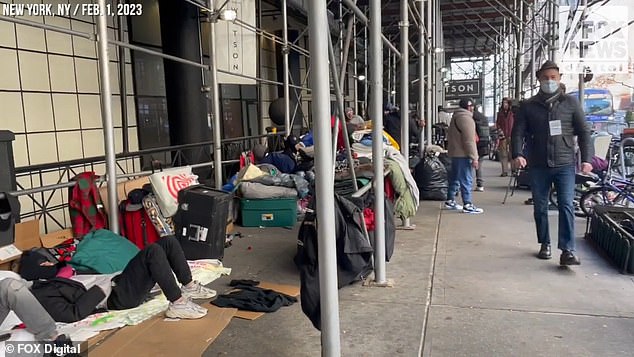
544 252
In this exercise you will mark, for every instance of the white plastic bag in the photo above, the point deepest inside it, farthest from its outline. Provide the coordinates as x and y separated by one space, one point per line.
166 185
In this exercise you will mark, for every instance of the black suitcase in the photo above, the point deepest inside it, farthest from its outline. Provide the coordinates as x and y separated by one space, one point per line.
201 222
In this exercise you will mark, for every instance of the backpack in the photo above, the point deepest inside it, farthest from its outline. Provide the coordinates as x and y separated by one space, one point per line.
86 209
134 222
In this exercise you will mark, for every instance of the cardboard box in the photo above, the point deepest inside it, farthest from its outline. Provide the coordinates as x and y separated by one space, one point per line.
123 188
27 235
52 239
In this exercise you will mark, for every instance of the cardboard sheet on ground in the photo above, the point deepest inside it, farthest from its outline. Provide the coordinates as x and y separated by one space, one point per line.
290 290
157 337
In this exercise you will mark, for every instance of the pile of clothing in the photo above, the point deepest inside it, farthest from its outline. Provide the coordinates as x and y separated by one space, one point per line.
266 181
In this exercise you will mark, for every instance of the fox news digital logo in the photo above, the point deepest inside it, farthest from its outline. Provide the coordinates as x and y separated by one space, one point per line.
596 40
12 348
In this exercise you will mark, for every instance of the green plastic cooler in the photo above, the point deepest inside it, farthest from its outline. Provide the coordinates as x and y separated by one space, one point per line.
270 212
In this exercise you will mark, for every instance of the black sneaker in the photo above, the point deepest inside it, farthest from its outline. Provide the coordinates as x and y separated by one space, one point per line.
569 258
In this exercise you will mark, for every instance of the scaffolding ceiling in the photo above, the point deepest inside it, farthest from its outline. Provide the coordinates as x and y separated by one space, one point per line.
469 27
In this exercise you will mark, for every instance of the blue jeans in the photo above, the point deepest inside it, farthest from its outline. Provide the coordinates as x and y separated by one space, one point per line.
460 177
564 180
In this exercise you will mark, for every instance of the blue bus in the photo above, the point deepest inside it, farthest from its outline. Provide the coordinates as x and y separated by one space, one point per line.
598 104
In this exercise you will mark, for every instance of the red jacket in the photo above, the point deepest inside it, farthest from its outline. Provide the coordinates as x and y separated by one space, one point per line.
504 123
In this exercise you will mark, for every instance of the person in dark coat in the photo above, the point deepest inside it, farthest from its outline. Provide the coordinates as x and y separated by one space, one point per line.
549 122
482 130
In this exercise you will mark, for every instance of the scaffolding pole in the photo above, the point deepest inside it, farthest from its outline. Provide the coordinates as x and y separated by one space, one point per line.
582 50
376 76
519 58
215 99
352 6
355 63
285 50
422 53
428 72
404 86
340 118
106 115
327 255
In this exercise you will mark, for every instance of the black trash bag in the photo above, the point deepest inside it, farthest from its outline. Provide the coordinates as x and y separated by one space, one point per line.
446 161
431 178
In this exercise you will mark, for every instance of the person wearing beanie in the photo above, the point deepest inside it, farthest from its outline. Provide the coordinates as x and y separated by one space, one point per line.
461 137
549 123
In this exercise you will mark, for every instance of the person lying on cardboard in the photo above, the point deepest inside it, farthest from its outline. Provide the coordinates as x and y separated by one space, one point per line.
15 297
69 298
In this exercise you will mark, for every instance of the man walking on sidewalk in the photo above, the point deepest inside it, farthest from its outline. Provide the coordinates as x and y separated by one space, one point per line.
462 149
549 122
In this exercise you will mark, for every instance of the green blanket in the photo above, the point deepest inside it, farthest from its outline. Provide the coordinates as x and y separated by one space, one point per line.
104 252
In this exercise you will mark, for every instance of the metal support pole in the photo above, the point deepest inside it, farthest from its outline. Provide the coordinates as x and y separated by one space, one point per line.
341 117
355 64
352 6
389 78
106 115
123 88
404 85
376 71
495 84
554 21
285 51
327 255
393 92
533 49
422 53
366 68
429 74
582 51
519 59
344 56
215 101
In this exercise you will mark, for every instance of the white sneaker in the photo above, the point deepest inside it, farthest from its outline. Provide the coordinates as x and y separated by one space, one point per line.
479 188
471 209
185 310
197 291
452 205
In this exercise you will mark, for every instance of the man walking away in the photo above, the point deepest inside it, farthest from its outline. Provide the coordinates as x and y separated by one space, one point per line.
549 122
464 157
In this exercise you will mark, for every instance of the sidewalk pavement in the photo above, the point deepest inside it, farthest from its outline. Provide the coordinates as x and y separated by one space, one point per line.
464 285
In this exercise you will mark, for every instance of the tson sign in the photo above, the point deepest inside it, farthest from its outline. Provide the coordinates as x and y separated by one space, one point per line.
463 88
598 42
236 44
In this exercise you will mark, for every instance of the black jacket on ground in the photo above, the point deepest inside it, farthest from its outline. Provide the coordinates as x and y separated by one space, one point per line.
354 255
532 125
67 300
252 298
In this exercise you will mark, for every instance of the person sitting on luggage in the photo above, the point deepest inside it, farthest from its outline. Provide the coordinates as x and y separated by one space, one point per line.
15 296
282 161
152 265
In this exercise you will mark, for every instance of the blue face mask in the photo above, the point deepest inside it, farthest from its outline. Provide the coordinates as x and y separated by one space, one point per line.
549 87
